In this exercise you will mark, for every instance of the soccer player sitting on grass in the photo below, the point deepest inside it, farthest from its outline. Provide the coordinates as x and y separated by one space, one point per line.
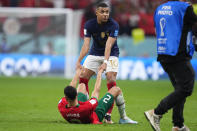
75 108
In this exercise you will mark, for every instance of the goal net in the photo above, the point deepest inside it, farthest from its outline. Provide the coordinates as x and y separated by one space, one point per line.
41 31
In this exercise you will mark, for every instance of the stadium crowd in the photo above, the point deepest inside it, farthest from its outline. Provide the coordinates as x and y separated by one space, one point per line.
129 14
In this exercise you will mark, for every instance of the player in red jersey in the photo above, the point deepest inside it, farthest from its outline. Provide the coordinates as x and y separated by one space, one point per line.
75 108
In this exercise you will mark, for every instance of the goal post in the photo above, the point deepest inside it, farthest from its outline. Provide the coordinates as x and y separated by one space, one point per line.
28 30
72 46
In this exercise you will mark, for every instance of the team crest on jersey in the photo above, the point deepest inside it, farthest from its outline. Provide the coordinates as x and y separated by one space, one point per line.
102 34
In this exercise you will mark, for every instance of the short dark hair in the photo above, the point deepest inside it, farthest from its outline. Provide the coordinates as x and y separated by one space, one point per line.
70 92
104 5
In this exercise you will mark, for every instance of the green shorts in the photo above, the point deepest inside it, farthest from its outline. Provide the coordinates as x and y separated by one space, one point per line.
82 97
103 105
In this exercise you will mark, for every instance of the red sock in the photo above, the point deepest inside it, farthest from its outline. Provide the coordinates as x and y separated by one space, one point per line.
85 81
109 86
110 109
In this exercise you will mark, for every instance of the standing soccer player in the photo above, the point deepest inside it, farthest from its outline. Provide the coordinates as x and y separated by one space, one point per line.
104 51
174 21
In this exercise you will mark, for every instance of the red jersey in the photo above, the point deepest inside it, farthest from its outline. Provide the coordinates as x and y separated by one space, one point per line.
82 113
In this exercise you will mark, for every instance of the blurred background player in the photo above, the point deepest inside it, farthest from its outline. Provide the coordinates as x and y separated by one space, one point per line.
174 21
104 51
76 108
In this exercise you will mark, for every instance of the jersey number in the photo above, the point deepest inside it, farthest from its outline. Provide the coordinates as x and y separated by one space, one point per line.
105 100
114 63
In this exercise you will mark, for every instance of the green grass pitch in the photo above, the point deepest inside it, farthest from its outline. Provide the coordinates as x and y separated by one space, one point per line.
30 104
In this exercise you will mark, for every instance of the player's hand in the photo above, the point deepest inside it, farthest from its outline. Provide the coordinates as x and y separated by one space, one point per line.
78 65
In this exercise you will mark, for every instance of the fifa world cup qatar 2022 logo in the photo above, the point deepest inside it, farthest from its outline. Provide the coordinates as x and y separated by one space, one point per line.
162 25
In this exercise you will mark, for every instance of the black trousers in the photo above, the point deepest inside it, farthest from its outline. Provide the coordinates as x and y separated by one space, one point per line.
182 77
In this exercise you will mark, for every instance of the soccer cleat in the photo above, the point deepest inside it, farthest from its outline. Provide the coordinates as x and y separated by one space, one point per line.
107 119
127 120
153 119
184 128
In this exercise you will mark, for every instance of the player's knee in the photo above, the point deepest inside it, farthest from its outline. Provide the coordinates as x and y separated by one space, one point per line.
185 92
188 92
118 90
188 87
86 74
81 88
82 75
115 91
111 77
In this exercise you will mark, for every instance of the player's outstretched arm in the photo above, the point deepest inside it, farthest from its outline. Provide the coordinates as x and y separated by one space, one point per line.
110 42
84 51
75 79
97 86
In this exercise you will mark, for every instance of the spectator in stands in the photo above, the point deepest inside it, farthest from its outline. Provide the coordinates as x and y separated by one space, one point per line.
4 48
146 20
14 3
125 12
58 3
122 15
26 3
134 18
4 3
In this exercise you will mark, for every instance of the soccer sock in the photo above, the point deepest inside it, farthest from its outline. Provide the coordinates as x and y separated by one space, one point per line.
110 109
109 86
85 81
121 106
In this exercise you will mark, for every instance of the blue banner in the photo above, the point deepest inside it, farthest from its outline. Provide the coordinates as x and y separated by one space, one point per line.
134 68
131 68
24 65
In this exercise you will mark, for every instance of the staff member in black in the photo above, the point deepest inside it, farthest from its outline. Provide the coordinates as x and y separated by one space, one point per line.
174 21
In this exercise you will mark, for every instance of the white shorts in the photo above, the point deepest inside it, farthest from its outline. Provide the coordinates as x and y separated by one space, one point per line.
94 62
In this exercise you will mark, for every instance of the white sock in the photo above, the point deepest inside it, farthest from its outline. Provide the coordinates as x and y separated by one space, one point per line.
121 106
87 95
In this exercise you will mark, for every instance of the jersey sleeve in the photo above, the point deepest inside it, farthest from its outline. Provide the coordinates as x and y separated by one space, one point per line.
62 103
93 102
114 30
87 32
